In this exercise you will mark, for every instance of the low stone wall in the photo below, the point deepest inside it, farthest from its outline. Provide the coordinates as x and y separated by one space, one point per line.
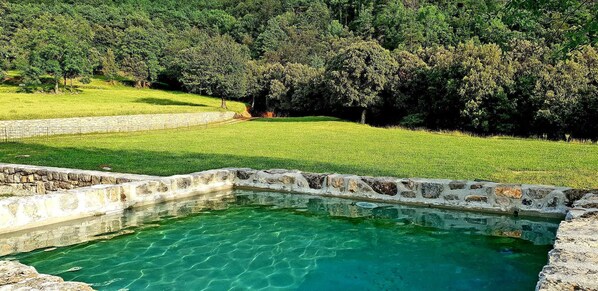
107 226
573 263
16 276
13 129
18 213
113 192
482 196
41 180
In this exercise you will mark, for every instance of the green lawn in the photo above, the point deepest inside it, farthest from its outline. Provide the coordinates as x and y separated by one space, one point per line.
320 145
99 98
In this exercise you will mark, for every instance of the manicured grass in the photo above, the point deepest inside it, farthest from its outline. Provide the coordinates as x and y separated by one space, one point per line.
99 98
319 145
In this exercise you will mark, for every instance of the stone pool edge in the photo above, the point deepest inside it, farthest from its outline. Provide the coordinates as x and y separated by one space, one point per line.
17 276
77 193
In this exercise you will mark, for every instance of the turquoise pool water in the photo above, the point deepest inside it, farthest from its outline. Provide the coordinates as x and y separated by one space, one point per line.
268 241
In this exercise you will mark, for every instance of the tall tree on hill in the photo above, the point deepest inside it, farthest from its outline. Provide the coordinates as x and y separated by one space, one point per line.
54 45
357 75
215 67
109 66
139 53
3 61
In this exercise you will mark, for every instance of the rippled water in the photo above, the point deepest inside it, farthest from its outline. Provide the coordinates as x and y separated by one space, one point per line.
268 241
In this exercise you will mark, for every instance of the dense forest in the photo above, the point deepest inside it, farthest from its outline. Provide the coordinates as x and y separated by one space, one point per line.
516 67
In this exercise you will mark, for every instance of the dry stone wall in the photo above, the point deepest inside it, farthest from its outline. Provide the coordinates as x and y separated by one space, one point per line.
17 213
71 194
25 212
14 129
41 180
472 195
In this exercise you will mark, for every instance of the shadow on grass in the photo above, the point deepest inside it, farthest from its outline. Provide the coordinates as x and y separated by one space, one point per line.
158 163
158 101
299 119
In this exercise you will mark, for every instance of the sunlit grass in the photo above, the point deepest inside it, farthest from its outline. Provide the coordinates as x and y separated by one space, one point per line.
320 145
100 98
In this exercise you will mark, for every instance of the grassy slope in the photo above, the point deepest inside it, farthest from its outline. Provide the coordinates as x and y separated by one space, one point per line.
100 98
321 145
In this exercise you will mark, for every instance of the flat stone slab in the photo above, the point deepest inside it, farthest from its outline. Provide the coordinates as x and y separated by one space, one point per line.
16 276
573 263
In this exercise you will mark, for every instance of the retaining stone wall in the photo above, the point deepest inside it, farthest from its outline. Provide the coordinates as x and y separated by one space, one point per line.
18 213
484 196
13 129
41 180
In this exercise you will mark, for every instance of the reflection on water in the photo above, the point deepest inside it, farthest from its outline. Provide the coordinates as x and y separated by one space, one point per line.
246 240
540 232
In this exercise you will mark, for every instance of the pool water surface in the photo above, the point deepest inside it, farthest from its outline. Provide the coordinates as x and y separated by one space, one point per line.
248 240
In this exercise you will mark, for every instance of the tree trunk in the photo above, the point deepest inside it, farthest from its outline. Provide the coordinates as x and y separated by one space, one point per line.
71 83
64 81
56 84
223 105
363 112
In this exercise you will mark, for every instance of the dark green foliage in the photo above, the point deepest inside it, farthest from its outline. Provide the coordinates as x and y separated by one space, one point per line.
517 67
53 45
359 74
139 52
215 67
109 66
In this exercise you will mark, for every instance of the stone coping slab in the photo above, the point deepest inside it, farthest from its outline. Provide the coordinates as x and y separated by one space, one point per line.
16 276
573 263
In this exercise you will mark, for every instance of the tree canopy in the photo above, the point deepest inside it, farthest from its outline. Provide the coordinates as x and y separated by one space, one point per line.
516 67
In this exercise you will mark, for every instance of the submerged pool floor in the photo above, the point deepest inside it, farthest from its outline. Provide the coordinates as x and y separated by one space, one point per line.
271 241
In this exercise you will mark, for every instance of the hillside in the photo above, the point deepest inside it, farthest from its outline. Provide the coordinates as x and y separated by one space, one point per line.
100 98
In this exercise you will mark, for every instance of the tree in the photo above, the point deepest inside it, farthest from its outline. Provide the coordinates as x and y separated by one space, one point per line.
215 67
293 88
139 53
3 61
436 29
54 45
255 76
109 67
358 74
406 87
487 78
569 95
216 20
3 52
398 26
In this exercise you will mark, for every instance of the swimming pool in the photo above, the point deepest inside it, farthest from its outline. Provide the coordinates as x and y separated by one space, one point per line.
244 240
